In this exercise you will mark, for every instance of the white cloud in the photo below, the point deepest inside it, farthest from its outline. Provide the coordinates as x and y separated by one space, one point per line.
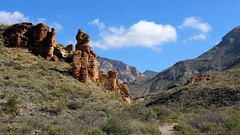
98 23
12 18
142 33
57 26
197 23
41 20
196 37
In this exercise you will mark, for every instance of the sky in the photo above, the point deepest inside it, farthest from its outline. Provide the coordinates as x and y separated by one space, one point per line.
147 34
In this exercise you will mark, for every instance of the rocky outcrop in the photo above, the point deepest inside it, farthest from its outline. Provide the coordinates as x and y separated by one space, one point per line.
201 78
85 68
110 81
69 49
37 38
85 65
42 42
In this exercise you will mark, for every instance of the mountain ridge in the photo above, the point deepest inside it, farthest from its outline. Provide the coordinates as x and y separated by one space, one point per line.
125 72
218 58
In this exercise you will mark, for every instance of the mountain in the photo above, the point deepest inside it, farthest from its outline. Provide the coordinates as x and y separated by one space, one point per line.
222 56
150 73
125 72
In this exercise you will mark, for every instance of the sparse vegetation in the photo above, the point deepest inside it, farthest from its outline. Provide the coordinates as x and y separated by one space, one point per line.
50 101
41 97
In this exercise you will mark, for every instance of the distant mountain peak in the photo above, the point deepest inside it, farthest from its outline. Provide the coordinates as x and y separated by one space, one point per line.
234 33
125 72
150 73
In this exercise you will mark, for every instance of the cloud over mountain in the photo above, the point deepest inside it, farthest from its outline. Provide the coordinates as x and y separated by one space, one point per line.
143 33
197 24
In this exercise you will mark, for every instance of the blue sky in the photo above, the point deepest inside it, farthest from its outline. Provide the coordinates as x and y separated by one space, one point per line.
153 34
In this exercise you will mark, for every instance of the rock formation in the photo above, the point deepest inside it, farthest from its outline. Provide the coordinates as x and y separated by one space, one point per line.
37 38
85 65
42 42
85 68
110 81
69 49
201 78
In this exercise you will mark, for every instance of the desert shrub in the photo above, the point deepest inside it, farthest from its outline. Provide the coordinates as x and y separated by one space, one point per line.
11 105
18 67
165 114
25 129
234 127
56 129
139 111
12 129
182 129
113 125
212 122
75 105
96 131
54 108
137 127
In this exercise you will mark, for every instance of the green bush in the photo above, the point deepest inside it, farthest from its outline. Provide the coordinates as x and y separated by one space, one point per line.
96 131
113 125
12 129
165 114
186 130
75 105
234 127
11 105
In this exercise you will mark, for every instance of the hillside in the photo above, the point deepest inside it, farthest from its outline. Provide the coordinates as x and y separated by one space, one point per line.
125 72
221 57
38 96
41 97
224 90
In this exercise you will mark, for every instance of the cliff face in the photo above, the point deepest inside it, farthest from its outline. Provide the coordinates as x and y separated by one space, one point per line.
221 57
125 72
